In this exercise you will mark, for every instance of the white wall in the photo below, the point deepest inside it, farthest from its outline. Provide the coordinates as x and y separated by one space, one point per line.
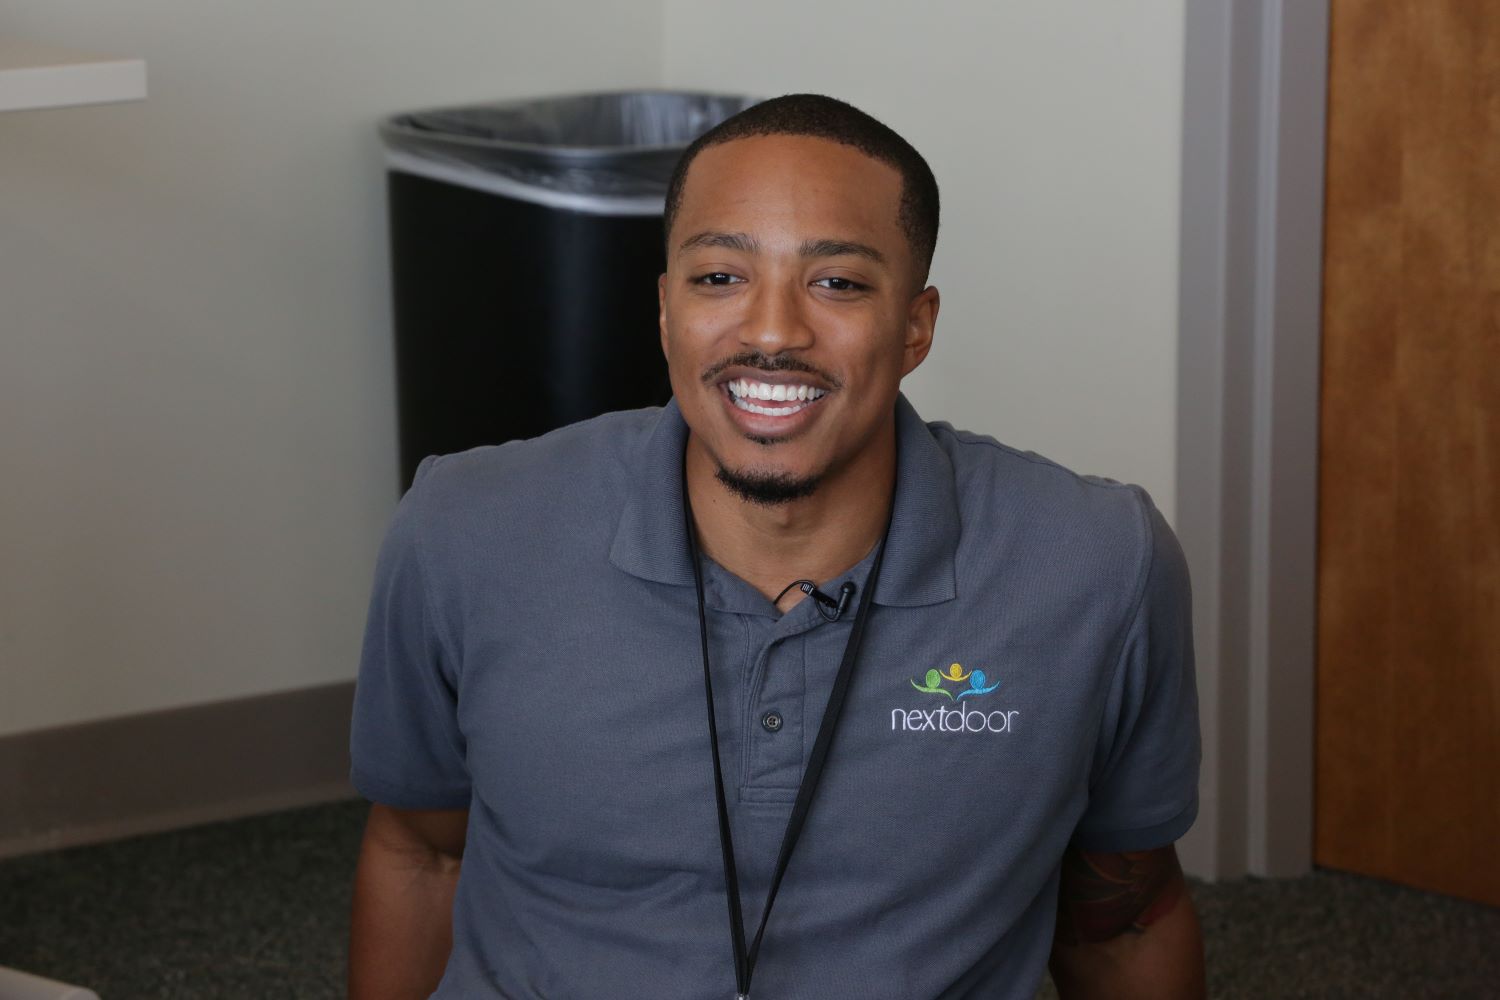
197 431
197 426
1054 129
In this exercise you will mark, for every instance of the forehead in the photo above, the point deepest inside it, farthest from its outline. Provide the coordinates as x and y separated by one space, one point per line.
801 185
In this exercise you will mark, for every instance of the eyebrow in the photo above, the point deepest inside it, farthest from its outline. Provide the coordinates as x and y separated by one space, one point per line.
745 243
729 241
841 248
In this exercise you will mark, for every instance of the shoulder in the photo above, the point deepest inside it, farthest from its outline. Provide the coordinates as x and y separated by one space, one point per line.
572 475
1067 546
525 471
1006 492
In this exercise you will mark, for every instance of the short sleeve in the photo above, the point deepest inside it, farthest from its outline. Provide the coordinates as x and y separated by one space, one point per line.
405 745
1143 791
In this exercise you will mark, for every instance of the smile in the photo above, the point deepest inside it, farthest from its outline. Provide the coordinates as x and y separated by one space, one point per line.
750 395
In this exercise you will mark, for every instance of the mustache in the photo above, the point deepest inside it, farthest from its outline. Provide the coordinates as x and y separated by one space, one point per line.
768 363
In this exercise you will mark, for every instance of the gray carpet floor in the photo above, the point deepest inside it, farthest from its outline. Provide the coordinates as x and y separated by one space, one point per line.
258 908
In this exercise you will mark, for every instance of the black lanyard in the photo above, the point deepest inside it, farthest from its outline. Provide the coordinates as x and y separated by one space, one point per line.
744 962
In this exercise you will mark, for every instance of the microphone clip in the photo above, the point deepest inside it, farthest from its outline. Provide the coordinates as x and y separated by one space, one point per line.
831 608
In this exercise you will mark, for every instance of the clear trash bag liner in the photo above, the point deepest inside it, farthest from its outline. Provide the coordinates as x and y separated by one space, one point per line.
610 146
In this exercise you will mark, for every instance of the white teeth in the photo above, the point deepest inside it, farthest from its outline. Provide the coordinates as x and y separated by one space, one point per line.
744 388
770 411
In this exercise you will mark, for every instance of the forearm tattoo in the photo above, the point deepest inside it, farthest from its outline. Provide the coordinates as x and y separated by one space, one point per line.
1101 896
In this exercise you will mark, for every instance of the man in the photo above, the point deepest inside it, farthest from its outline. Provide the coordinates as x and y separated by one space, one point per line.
780 640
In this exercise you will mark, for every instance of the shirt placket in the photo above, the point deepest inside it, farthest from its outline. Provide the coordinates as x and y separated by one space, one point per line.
775 691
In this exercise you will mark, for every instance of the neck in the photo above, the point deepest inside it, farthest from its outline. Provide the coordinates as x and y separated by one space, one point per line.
814 538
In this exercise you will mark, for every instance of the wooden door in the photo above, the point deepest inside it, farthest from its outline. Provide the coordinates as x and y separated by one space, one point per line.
1408 714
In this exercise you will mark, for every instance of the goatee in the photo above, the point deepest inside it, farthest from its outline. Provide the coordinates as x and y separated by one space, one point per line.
768 489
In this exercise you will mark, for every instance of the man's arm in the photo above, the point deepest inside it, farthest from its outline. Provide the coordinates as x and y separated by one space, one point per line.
401 928
1126 928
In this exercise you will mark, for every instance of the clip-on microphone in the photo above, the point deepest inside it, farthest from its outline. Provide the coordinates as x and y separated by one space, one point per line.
821 600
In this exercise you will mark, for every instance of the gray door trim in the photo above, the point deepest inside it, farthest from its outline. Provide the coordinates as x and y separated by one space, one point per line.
1255 85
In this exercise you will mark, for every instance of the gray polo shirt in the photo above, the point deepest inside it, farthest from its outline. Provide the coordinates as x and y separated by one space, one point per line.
532 654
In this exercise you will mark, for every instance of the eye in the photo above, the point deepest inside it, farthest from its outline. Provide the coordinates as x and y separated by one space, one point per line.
717 279
841 285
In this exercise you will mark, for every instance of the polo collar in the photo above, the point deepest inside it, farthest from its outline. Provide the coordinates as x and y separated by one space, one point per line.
650 542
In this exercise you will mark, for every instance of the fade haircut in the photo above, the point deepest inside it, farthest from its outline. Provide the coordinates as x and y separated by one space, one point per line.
826 118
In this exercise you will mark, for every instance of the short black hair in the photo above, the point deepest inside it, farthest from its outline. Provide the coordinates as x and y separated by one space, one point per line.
827 118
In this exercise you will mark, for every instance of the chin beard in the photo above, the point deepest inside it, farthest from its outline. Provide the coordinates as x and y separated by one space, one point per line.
768 489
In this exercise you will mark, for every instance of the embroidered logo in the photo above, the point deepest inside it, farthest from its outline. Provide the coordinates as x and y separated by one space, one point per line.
935 678
954 684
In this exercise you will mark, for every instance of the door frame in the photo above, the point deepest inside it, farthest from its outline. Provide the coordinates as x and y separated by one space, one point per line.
1249 319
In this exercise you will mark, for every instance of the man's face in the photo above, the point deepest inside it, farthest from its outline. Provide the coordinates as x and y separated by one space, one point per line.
789 277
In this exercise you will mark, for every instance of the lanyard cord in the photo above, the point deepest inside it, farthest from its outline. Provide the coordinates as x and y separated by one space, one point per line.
744 961
726 843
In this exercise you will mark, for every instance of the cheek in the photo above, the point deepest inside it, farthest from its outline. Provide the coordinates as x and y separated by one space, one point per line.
695 339
689 352
701 323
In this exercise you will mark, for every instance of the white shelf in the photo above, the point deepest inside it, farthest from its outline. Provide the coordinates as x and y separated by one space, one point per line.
37 76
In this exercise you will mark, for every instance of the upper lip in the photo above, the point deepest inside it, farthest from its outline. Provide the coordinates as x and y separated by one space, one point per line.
773 378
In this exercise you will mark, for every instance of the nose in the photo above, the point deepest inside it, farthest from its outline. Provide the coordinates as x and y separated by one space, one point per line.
776 321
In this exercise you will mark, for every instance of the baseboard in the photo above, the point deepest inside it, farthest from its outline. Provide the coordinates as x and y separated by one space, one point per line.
99 781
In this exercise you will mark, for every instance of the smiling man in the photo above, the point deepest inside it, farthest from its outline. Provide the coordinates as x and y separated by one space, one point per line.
778 690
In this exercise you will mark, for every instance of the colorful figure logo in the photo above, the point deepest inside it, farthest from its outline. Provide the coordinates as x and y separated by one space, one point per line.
955 673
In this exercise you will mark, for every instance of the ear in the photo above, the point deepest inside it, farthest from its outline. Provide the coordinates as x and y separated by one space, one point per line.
921 322
661 311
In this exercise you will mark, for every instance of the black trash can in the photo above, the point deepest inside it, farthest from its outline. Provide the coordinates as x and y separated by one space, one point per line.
526 239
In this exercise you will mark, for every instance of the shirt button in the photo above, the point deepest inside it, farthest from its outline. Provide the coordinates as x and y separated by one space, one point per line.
771 721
